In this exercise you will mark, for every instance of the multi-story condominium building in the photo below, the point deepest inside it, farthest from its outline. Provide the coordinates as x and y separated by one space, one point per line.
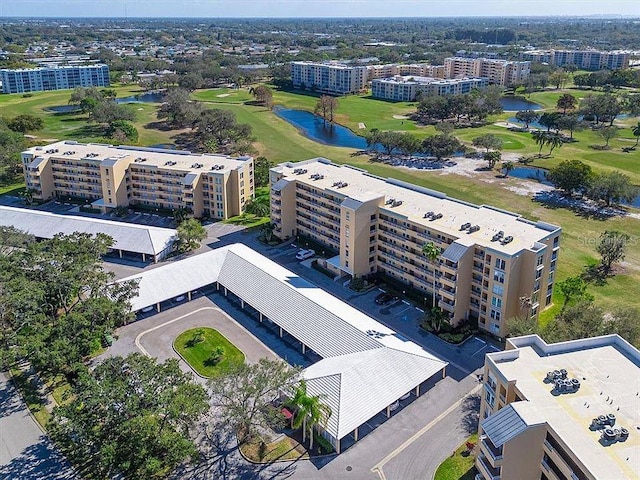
561 411
414 69
53 78
406 88
584 59
330 77
108 177
493 264
499 72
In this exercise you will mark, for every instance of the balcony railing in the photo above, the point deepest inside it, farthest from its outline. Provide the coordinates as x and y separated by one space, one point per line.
489 472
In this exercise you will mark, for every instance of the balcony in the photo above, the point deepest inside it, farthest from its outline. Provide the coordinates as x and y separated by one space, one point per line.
494 453
489 472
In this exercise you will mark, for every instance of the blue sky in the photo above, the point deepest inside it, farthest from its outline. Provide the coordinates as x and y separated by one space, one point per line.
315 8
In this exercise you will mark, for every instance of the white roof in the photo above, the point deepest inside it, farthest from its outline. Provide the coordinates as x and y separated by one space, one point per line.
129 237
359 385
366 365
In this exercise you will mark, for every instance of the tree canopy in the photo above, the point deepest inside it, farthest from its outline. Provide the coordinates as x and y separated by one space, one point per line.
131 417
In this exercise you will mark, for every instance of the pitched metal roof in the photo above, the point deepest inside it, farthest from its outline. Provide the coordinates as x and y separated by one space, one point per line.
127 236
505 424
455 252
357 386
365 367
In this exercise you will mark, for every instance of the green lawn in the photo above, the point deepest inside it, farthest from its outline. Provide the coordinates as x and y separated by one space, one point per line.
198 355
460 465
74 126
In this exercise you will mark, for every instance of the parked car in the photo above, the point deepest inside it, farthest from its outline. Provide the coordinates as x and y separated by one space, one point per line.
179 298
385 297
304 254
107 340
147 309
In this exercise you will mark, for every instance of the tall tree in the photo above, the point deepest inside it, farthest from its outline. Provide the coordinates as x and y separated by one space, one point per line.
566 102
507 167
25 123
432 253
326 108
573 288
527 117
492 158
612 187
488 141
608 133
245 395
612 247
636 132
177 109
263 95
570 176
310 411
190 234
441 146
131 418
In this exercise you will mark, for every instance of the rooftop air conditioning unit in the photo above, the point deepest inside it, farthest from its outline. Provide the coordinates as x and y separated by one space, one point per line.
390 201
464 226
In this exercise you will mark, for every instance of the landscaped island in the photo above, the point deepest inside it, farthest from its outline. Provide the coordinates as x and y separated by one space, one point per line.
207 351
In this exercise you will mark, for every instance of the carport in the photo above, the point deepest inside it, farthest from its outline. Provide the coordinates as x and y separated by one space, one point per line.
365 367
151 243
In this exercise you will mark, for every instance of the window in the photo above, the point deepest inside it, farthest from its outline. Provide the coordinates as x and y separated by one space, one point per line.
373 217
498 276
496 302
498 289
348 215
495 314
550 278
539 260
346 232
500 264
538 274
490 398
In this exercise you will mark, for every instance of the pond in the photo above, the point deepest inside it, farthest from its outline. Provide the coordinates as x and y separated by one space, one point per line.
515 104
540 175
148 97
314 128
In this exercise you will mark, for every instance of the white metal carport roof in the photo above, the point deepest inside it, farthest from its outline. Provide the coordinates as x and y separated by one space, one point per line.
128 237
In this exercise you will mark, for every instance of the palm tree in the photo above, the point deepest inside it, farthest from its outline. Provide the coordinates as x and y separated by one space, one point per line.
541 138
526 304
554 141
636 132
432 252
507 167
310 411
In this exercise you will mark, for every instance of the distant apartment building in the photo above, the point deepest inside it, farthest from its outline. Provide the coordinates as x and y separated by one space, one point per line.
108 177
329 77
499 72
53 78
562 411
413 69
406 88
583 59
493 265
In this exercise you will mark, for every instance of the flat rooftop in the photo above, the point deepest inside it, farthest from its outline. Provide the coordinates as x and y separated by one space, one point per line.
153 157
412 79
608 369
416 201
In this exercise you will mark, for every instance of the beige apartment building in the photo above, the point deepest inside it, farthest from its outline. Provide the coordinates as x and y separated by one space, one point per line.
499 72
109 176
411 69
562 411
493 265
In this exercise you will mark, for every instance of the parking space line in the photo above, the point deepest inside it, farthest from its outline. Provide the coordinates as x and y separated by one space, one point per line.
405 302
479 350
378 467
403 310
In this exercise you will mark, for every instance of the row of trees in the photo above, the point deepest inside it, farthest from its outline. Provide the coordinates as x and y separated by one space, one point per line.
477 105
574 176
216 130
440 146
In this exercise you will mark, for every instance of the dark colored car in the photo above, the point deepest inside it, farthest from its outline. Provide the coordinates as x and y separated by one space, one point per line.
385 298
